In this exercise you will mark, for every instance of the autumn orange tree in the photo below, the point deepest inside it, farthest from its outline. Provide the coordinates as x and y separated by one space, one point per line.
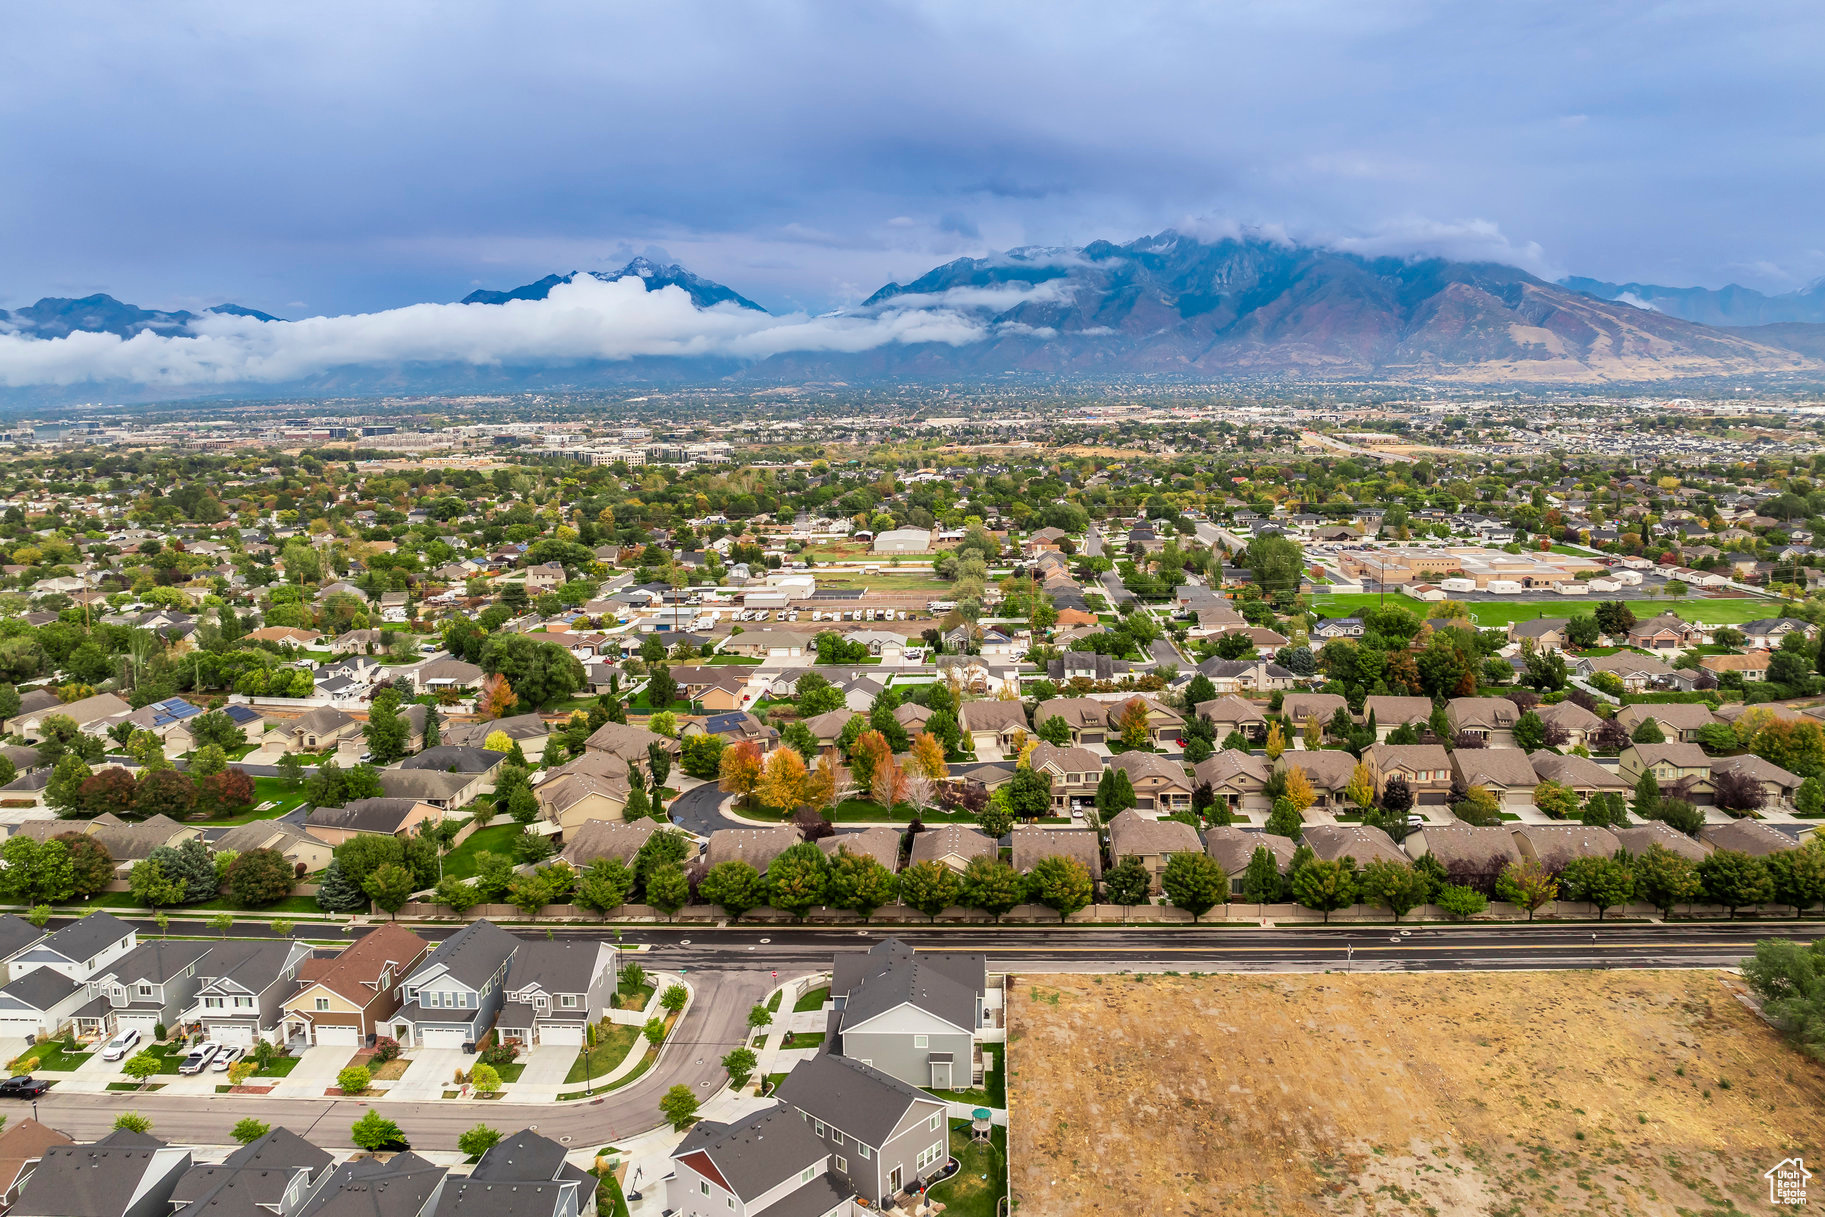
825 782
740 770
869 753
1131 720
928 757
1299 789
889 784
783 780
498 697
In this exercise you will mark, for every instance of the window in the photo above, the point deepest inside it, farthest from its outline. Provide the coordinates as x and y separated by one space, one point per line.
568 1001
862 1151
703 1189
808 1174
842 1163
817 1126
212 1003
932 1123
922 1041
323 1003
243 1003
836 1136
145 990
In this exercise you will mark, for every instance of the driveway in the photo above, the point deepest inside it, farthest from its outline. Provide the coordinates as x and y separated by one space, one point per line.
314 1073
432 1071
546 1066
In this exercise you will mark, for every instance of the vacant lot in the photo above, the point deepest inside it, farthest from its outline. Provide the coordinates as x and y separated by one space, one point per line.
1509 1094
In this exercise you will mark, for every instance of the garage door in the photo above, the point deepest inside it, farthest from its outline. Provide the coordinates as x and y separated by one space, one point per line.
562 1035
142 1023
232 1035
18 1028
443 1037
339 1037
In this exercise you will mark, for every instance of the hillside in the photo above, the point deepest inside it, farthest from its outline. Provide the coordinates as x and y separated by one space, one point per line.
1731 305
703 292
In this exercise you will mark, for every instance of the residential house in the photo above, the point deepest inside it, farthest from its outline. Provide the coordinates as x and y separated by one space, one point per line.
1639 838
439 788
1746 836
453 996
1490 719
1542 633
571 800
1034 845
1580 725
1767 633
1554 845
400 1185
1674 765
82 712
1636 672
771 644
78 950
273 1174
1474 857
529 731
1329 771
125 1174
914 1015
1680 722
555 989
1390 713
1777 784
525 1175
1247 675
349 998
40 1003
315 730
880 842
1237 779
1362 845
953 845
1074 773
733 727
1233 848
990 726
629 743
384 816
1152 841
884 1136
1087 719
764 1163
22 1147
1750 666
297 846
715 687
1160 784
1585 776
126 841
1233 714
439 675
619 839
1301 708
243 987
755 846
1426 768
1164 725
151 986
1506 773
1666 632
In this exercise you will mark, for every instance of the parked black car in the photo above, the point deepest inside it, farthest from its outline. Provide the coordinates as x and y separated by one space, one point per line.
26 1087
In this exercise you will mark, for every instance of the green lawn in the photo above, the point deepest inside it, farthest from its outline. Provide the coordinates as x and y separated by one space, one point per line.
773 1002
265 790
994 1092
867 811
50 1057
611 1049
813 1000
981 1180
1732 611
279 1068
803 1039
495 839
751 660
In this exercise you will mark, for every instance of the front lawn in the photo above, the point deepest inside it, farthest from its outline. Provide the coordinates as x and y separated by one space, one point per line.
976 1190
813 1000
610 1050
272 798
51 1058
803 1039
494 839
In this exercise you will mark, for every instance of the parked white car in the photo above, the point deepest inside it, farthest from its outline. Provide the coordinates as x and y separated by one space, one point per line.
118 1047
226 1057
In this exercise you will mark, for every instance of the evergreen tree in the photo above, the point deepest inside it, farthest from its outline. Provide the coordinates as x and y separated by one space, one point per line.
337 893
1261 882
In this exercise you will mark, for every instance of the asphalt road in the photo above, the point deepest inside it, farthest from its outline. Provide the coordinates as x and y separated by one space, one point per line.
731 969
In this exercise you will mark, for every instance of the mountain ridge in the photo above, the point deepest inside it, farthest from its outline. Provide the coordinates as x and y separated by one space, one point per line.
704 293
1731 305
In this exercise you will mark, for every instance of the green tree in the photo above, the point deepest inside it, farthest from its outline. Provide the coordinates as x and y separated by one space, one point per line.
740 1063
1057 732
1646 804
63 791
1735 879
485 1079
1461 902
667 890
354 1079
1790 981
798 880
390 886
1128 883
1603 882
478 1140
1798 875
1325 886
1395 886
1194 882
1029 794
259 877
679 1107
142 1066
1284 820
1664 879
604 885
1527 885
132 1121
375 1133
1530 732
1061 884
860 883
929 887
153 888
735 887
248 1130
1261 881
991 885
37 872
759 1017
336 892
456 894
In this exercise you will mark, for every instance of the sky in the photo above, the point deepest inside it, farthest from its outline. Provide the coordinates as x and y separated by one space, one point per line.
350 157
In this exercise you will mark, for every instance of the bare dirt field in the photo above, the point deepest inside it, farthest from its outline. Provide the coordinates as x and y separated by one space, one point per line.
1508 1094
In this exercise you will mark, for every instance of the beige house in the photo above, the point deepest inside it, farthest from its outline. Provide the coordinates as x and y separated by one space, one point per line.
1133 835
755 846
1426 769
1233 849
1679 721
1034 845
1088 719
1554 845
1490 719
991 725
1160 784
1227 714
1361 845
574 799
315 730
880 842
1328 770
1583 775
1074 773
1237 779
1579 724
1392 713
952 845
391 817
1671 764
297 846
1506 773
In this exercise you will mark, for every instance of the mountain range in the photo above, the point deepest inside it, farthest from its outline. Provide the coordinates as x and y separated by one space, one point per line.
1168 305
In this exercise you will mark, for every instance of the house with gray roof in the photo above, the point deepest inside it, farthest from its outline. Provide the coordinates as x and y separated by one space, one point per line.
454 995
884 1136
916 1016
1033 845
1133 835
40 1003
125 1174
1506 773
242 989
78 950
524 1175
880 842
403 1185
1746 836
755 846
766 1164
434 786
1471 856
554 989
148 987
271 1175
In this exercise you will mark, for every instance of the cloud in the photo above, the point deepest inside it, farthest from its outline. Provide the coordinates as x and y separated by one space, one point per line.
584 320
1634 301
1462 240
996 297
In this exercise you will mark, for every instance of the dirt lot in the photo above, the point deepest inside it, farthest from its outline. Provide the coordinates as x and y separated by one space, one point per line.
1508 1094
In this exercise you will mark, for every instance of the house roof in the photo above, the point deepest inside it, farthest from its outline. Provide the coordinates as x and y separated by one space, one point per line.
1300 706
1488 713
1069 759
1746 836
24 1140
457 757
1232 848
1328 768
1034 845
1569 715
375 1187
472 954
755 846
96 1180
1469 849
158 961
1679 755
879 842
952 840
560 965
756 1153
16 934
525 1157
40 989
1392 711
1389 757
1576 771
856 1098
355 970
252 1180
88 937
1505 767
1678 716
1130 832
322 720
1231 767
1151 764
1230 709
627 742
1638 838
608 839
1556 844
896 978
993 715
381 815
1754 766
424 784
1364 845
516 727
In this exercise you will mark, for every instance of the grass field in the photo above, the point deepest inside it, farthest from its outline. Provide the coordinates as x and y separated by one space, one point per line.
1512 1093
1506 612
495 839
982 1176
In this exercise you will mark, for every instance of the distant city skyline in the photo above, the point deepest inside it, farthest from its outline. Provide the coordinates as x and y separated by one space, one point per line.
348 158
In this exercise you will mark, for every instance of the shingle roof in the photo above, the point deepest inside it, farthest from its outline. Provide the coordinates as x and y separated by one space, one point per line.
86 938
1505 767
1034 845
846 1094
472 954
373 1187
363 960
879 842
1746 836
1364 845
1232 848
1132 833
756 1153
